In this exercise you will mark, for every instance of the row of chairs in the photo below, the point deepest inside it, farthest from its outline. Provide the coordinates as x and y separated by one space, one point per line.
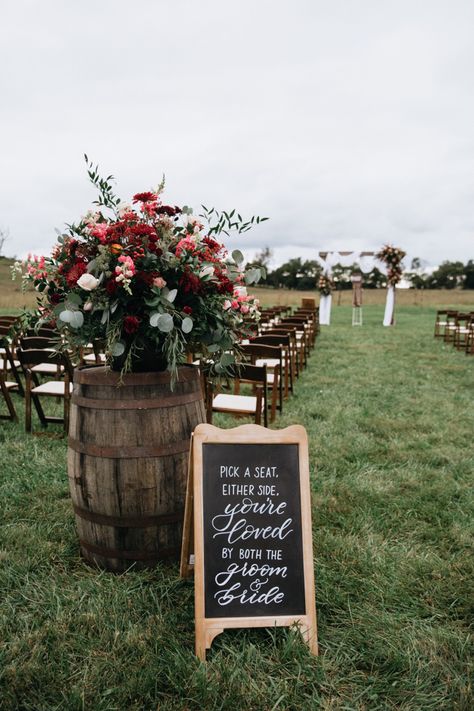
274 355
31 365
457 328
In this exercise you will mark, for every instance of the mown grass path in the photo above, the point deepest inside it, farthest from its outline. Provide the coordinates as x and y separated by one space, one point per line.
390 418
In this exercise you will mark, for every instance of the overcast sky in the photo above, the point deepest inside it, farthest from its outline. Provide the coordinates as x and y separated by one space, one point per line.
349 123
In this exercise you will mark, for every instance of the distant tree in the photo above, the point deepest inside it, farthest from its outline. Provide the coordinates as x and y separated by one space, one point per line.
448 275
295 274
469 275
374 280
417 279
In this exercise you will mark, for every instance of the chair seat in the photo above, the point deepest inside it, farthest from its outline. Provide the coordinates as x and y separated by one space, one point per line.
269 362
90 358
10 385
52 387
6 365
235 403
45 368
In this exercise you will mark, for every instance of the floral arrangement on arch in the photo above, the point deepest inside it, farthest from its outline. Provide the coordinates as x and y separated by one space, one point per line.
146 277
392 258
325 285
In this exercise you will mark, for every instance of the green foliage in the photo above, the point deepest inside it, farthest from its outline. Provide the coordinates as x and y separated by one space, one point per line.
390 420
224 222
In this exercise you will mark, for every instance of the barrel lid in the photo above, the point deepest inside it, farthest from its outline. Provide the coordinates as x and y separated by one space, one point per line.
103 375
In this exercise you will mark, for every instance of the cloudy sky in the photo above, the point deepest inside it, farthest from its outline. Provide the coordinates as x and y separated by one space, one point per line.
349 123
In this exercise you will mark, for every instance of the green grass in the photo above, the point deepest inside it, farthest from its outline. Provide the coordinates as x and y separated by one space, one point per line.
390 419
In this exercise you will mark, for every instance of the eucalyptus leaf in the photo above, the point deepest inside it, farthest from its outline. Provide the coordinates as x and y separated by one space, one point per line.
73 298
91 266
154 319
187 325
227 359
165 323
237 256
171 295
66 315
118 349
77 319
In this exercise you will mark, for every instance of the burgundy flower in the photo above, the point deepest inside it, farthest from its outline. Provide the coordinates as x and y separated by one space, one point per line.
168 210
131 324
74 273
144 197
111 287
187 310
142 230
190 283
54 298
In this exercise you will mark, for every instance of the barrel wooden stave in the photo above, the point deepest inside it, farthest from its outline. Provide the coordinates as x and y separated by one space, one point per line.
131 488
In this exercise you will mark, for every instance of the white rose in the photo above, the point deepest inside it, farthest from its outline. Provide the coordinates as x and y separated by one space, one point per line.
88 282
88 305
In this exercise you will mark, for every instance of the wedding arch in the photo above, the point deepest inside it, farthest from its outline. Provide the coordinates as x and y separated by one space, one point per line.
365 262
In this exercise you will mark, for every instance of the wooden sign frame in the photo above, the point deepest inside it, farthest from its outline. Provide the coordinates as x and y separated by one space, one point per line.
193 536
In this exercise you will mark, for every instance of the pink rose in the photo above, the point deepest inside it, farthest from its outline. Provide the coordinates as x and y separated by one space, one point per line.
159 282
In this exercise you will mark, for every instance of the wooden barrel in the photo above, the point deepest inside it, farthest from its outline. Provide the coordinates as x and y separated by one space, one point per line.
127 463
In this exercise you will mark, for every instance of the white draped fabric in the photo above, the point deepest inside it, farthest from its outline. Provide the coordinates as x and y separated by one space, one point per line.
389 306
325 310
366 264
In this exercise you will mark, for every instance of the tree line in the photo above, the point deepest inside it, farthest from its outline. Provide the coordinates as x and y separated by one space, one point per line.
304 274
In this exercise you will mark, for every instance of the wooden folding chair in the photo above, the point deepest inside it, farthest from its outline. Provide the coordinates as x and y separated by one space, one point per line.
8 363
463 325
51 388
47 369
5 387
440 323
236 404
450 327
272 358
284 341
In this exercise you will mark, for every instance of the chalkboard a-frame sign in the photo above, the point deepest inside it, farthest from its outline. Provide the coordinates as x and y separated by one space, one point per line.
249 496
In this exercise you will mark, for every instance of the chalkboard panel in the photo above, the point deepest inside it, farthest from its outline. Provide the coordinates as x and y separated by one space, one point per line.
253 553
249 498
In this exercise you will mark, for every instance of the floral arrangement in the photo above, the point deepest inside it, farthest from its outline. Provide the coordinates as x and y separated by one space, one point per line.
325 285
146 277
392 258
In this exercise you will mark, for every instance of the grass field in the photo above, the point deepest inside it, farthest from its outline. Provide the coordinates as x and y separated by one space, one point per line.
390 419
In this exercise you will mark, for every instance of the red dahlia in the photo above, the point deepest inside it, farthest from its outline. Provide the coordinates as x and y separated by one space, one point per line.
131 324
74 273
144 197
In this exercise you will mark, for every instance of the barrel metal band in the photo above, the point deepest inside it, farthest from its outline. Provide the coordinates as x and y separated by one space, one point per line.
129 521
130 555
126 452
103 376
152 403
